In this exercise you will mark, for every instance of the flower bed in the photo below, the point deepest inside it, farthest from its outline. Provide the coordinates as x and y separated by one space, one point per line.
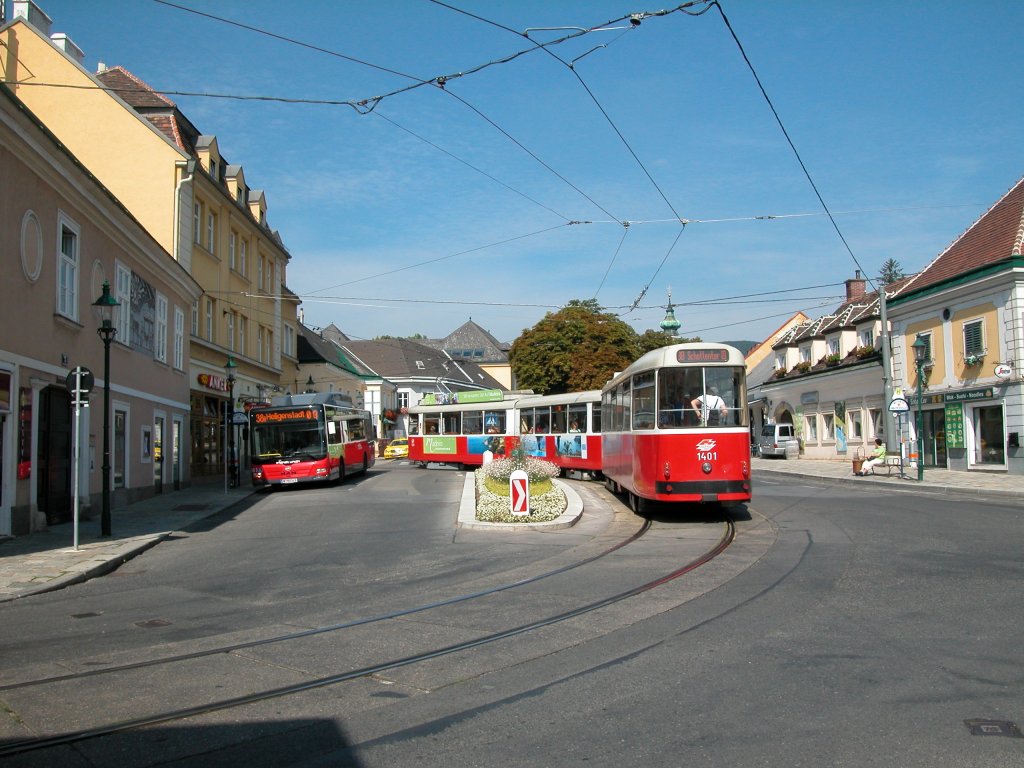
547 501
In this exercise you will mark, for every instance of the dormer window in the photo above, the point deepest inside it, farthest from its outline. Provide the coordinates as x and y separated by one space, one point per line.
833 346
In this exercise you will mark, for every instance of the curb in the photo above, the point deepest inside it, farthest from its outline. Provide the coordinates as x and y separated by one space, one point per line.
467 511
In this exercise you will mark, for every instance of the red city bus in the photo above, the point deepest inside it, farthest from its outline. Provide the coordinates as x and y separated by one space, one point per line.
309 438
676 427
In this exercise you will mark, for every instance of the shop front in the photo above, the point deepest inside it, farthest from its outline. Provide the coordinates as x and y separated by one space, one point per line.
964 429
209 400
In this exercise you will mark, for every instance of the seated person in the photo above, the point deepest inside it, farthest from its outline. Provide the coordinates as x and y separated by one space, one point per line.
877 457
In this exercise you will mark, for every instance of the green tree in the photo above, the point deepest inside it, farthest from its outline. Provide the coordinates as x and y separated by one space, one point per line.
649 340
575 349
891 272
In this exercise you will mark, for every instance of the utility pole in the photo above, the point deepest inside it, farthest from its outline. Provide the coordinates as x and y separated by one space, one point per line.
891 438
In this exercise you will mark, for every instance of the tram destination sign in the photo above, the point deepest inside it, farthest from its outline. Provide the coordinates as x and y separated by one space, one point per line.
275 417
709 355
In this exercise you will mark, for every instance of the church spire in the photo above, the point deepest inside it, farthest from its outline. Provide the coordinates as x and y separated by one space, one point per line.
670 325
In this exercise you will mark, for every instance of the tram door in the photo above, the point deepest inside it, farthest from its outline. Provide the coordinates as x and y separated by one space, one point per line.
934 438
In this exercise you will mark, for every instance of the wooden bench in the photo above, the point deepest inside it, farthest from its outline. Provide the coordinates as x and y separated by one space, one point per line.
892 464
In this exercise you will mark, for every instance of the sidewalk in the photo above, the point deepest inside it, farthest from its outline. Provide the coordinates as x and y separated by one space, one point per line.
46 560
941 481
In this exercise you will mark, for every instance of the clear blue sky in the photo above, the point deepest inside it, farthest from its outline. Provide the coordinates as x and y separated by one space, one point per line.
906 114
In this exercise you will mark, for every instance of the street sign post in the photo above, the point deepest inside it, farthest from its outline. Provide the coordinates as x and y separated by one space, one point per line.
519 492
899 406
80 383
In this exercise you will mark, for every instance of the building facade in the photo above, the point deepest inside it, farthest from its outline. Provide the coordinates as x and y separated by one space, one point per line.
198 206
62 236
967 310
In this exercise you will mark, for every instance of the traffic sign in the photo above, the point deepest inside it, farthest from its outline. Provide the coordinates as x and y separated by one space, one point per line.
519 492
239 418
898 405
80 380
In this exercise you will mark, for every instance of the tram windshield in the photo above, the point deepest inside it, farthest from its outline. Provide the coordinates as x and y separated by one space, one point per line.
697 397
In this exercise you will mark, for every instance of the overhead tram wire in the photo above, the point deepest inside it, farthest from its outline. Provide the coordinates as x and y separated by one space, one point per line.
469 165
443 258
792 146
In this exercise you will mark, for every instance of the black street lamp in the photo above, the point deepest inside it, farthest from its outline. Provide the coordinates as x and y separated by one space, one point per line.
107 332
920 347
310 384
230 366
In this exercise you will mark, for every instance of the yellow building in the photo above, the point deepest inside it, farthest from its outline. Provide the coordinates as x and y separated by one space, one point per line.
196 204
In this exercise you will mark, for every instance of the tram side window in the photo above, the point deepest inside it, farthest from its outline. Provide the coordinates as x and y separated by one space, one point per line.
578 417
526 422
558 424
431 424
494 422
643 401
627 406
541 420
473 422
450 424
595 426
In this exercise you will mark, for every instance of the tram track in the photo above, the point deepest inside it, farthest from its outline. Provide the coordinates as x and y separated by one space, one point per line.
46 742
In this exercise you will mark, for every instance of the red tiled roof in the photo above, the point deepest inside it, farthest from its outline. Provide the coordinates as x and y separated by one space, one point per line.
135 92
994 237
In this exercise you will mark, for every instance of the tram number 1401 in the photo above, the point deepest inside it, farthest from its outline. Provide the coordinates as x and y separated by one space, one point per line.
707 455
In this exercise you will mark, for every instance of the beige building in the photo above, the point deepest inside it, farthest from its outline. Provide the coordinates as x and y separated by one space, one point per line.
197 205
62 235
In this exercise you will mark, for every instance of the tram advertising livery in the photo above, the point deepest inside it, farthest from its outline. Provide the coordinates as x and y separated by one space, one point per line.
309 438
563 429
676 427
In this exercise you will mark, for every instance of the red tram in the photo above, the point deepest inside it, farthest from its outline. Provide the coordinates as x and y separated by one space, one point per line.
563 429
676 427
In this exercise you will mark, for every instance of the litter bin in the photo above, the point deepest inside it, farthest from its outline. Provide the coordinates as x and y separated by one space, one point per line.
792 449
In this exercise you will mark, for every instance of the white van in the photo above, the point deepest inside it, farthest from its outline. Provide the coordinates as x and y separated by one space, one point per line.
778 440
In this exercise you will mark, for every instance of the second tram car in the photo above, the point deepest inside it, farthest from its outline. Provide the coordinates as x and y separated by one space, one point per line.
563 429
675 427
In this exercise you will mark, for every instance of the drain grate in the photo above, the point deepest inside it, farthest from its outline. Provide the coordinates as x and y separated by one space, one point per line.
153 623
979 727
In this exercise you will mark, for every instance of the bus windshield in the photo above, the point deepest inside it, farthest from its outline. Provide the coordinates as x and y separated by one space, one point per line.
296 441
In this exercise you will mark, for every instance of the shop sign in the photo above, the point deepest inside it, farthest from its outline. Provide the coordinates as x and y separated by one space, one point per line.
966 395
955 426
208 380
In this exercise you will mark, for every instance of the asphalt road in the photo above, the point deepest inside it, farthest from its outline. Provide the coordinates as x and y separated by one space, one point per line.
843 627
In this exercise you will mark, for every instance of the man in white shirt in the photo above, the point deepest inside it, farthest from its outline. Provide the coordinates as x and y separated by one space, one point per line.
710 407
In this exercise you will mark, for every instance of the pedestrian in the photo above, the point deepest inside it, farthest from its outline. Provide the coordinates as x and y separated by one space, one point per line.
710 408
877 457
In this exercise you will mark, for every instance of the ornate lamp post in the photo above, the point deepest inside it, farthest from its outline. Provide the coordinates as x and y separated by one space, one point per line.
920 347
310 384
107 332
229 420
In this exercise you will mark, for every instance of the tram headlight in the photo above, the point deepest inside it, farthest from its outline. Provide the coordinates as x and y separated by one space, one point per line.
706 467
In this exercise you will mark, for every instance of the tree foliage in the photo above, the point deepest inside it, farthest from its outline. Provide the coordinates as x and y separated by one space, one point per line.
578 348
891 272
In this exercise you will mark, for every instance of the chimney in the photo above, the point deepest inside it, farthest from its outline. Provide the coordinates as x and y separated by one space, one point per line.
855 287
33 14
67 45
